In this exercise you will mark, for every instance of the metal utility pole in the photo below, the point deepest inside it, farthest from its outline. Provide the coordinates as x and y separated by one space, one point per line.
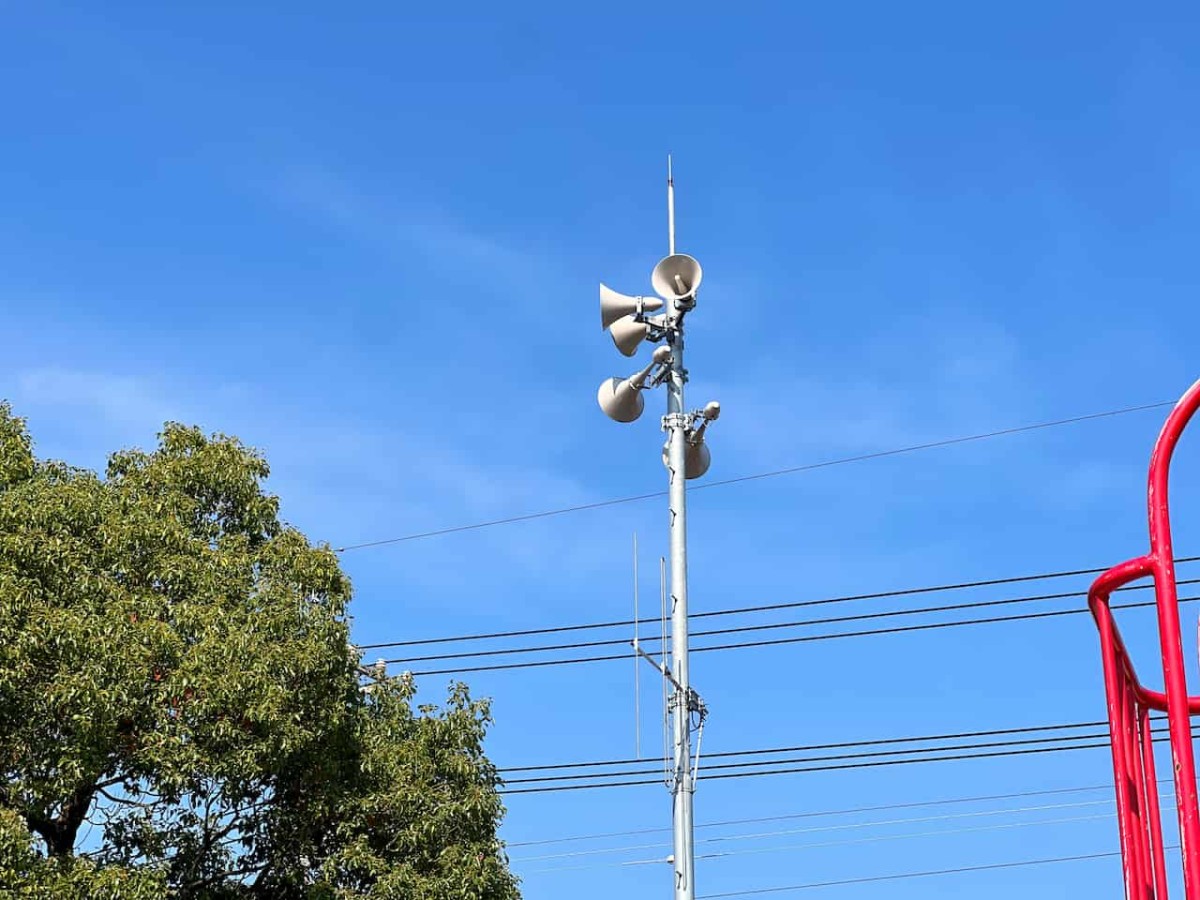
675 280
676 425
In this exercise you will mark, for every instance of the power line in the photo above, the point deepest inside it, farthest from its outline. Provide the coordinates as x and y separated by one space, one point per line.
770 626
794 771
741 479
789 640
858 810
877 595
902 762
945 831
821 829
741 763
710 768
710 777
899 876
845 842
840 745
825 601
617 642
907 628
877 823
857 764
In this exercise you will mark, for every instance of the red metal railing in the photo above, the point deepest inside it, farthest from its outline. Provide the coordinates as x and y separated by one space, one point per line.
1130 703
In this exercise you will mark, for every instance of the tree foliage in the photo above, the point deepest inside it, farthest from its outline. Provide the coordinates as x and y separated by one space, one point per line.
180 712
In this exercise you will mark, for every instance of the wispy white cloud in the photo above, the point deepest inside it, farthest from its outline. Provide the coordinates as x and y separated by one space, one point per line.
927 380
341 479
118 400
433 235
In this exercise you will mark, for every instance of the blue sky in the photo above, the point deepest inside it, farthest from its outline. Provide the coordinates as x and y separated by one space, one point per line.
367 241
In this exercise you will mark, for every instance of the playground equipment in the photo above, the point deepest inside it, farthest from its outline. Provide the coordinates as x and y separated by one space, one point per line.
1130 702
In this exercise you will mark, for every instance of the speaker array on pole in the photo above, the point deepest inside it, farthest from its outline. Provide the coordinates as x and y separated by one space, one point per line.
675 280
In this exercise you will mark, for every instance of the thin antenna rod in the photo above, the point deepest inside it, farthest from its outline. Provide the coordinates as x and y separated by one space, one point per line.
670 209
664 657
637 684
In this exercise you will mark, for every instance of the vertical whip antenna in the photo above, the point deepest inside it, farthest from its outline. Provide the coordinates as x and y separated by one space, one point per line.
670 209
666 667
637 684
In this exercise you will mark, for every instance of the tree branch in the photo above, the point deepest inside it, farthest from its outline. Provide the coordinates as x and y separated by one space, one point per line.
126 801
229 873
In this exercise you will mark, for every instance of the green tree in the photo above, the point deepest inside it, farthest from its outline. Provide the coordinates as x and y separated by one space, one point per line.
180 711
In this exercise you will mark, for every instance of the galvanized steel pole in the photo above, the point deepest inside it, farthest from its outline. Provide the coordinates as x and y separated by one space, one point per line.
676 423
676 279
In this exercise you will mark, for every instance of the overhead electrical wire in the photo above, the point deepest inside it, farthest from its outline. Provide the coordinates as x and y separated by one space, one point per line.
798 770
824 813
711 767
791 470
824 601
864 761
815 814
821 845
820 829
901 876
801 639
770 626
877 595
839 745
996 826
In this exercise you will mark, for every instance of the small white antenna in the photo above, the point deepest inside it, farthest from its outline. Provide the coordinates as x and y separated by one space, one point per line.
670 209
664 662
637 669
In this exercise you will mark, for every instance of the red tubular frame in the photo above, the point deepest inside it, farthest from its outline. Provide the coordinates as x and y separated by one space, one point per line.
1130 703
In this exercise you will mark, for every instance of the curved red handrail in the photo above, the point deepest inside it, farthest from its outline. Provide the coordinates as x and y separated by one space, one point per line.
1129 702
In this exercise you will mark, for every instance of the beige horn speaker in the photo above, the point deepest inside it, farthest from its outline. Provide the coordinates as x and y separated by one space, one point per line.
677 277
614 306
696 459
621 398
628 333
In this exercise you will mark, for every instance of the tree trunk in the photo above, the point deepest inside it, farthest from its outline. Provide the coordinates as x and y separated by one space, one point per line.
60 832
